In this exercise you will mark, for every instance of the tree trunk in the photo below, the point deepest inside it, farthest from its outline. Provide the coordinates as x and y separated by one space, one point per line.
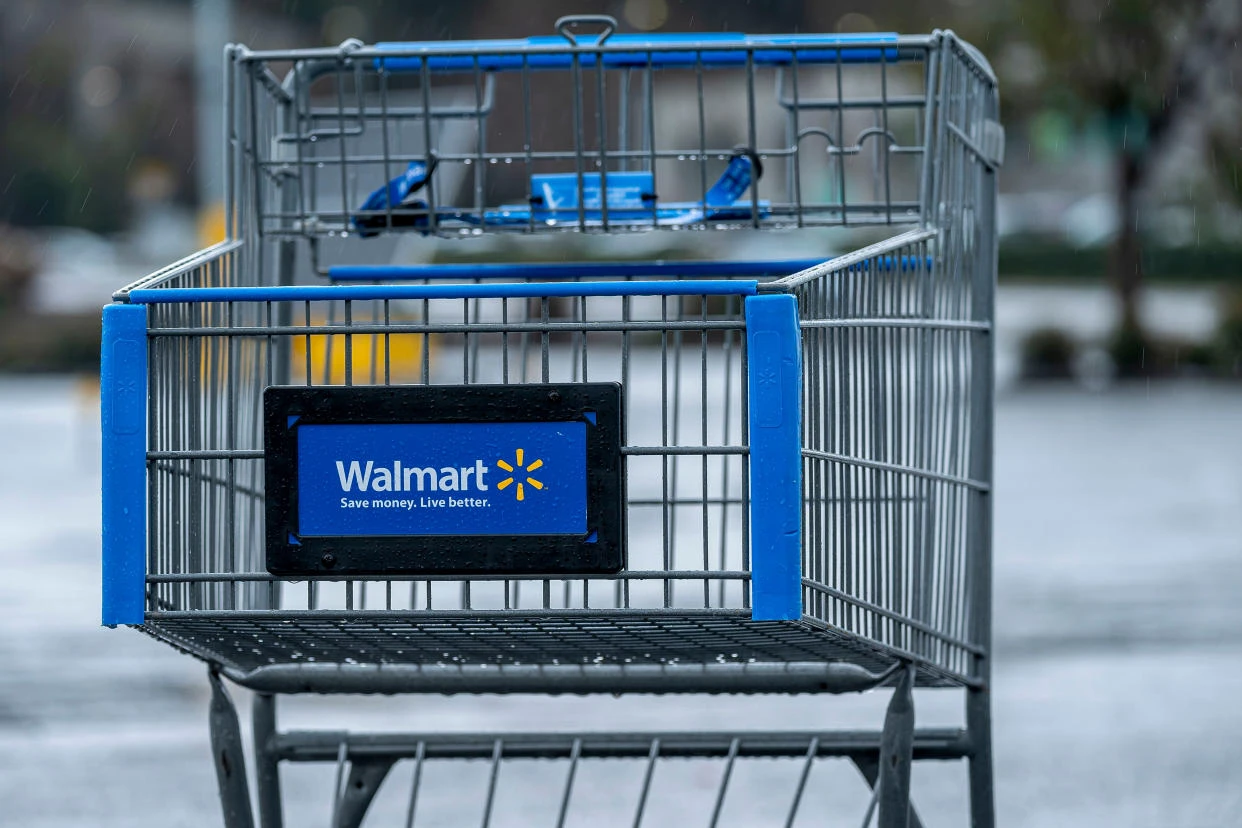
1130 341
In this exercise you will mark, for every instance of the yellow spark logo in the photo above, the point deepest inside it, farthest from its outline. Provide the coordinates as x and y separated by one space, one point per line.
514 471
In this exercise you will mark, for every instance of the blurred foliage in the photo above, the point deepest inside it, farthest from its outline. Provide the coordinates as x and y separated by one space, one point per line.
1227 343
1133 71
50 343
1226 164
1039 257
1048 353
50 174
19 259
62 181
57 167
1108 56
1148 68
1134 352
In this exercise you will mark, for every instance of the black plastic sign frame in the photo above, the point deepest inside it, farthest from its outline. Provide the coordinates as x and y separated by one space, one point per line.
601 549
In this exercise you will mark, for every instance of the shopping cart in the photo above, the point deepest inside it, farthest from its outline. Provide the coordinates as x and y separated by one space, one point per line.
333 466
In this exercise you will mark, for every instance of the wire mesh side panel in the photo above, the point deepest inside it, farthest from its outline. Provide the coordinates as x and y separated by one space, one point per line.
897 400
680 360
205 496
840 134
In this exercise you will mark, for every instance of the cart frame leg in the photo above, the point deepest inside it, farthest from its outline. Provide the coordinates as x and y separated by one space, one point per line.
979 728
361 786
228 756
870 770
266 761
897 755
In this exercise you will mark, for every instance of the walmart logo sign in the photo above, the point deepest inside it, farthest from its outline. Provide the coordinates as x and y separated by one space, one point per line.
436 478
516 469
409 478
354 475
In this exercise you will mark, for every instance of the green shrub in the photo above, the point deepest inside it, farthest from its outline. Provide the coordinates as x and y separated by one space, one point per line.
1048 353
1227 343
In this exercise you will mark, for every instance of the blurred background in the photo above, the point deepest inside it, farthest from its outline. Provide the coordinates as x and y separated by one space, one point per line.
1119 445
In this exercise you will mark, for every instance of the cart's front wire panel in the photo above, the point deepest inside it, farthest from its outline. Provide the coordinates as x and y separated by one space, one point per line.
887 467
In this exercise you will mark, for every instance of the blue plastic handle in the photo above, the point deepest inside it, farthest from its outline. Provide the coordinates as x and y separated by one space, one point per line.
640 50
770 268
503 290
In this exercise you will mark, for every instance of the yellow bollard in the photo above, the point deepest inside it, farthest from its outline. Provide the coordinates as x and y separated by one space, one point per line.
374 357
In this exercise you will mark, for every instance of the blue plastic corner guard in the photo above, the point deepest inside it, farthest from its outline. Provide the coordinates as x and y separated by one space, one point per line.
775 372
123 417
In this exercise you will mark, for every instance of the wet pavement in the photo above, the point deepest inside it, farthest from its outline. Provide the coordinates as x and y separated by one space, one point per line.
1117 673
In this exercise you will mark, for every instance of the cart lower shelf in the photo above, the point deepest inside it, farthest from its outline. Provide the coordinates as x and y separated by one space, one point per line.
583 651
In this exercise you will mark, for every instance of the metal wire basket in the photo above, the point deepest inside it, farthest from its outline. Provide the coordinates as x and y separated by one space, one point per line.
807 443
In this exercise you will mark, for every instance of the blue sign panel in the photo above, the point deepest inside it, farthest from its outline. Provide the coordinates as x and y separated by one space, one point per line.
443 479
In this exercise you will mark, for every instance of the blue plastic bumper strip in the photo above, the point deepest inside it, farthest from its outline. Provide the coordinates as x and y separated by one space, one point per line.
413 214
759 268
123 415
502 290
636 51
774 377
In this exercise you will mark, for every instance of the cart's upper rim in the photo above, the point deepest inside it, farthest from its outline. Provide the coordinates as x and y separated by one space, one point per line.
707 42
707 48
